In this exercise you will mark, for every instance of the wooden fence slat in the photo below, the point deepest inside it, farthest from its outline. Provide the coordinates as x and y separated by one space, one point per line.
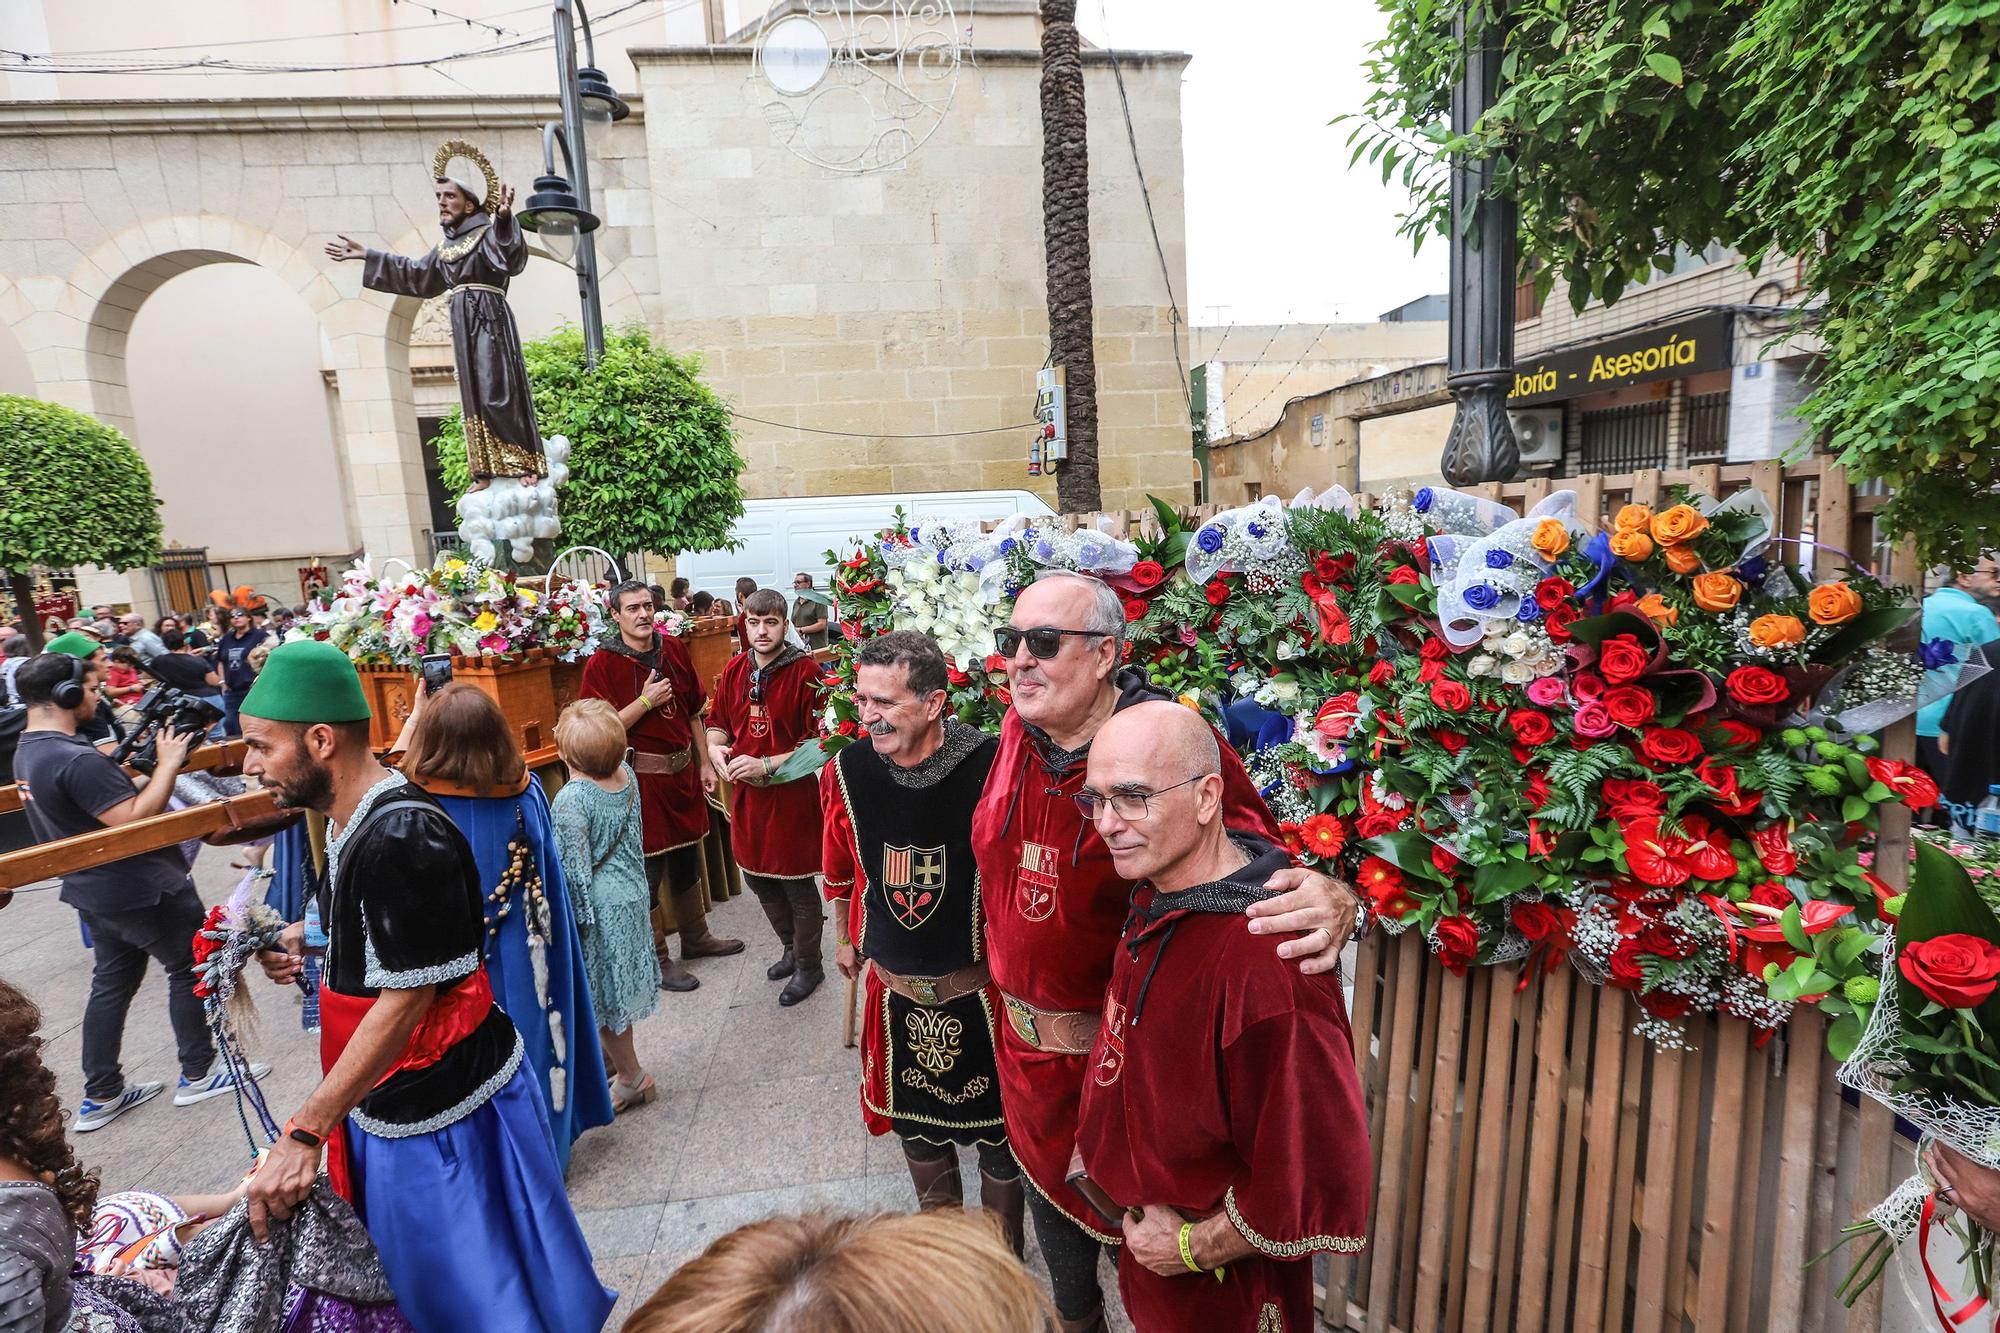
1624 1182
1749 1172
1373 964
1646 487
1488 1162
1656 1202
1569 1186
1871 1183
1469 1171
1416 1182
1805 1038
1602 1130
1385 1234
1545 1148
1430 1271
1681 1221
1718 1225
1821 1193
1520 1093
1830 523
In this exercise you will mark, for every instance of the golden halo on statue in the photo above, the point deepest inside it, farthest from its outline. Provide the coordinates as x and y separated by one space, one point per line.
452 148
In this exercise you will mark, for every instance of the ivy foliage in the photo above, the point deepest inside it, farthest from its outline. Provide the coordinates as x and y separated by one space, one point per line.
653 461
73 491
1862 136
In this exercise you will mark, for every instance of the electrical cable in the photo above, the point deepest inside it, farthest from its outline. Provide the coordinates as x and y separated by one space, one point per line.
1176 322
884 435
296 37
1285 379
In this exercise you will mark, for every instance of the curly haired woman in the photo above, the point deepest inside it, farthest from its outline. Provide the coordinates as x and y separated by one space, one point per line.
46 1197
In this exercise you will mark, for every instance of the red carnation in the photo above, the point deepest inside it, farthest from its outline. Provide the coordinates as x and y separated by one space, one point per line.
1621 658
1530 727
1147 573
1404 574
1457 943
1451 695
1629 705
1135 609
1773 843
1914 787
1669 747
1629 798
1217 592
1957 971
1757 687
1553 591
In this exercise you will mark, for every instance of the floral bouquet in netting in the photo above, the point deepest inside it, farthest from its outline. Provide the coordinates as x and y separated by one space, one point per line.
1931 1054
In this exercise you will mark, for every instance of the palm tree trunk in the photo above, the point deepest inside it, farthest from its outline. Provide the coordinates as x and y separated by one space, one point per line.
21 583
1066 241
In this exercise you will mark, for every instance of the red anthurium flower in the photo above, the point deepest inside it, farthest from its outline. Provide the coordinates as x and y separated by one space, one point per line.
1655 856
1337 716
1816 916
1883 893
1774 848
1708 851
1913 787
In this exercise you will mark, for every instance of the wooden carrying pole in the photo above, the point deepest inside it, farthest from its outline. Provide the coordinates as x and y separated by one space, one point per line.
114 843
229 754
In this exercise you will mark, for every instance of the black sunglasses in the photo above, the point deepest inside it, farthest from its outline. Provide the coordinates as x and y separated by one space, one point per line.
1044 641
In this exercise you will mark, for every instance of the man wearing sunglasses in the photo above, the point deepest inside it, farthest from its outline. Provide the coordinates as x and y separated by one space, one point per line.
766 706
1222 1109
1055 902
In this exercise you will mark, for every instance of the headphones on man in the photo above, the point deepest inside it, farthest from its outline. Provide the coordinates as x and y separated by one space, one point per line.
69 693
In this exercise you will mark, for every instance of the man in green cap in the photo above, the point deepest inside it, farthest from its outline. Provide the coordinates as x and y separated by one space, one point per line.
433 1129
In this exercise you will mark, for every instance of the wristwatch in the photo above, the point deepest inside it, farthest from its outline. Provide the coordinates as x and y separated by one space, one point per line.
299 1133
1364 920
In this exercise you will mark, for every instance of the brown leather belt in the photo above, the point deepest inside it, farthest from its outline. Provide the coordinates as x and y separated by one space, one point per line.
1061 1031
935 990
645 762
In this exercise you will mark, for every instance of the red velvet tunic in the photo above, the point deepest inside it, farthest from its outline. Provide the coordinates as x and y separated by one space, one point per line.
1054 908
673 812
1232 1091
774 830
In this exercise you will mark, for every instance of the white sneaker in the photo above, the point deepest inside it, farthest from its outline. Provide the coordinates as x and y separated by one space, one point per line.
218 1082
96 1115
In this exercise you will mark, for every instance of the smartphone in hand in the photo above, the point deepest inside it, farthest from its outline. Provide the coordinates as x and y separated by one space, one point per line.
436 671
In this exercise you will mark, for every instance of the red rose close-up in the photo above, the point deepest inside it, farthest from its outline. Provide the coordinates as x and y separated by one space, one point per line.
1434 650
1770 893
1538 922
1664 941
1382 672
1452 741
1757 687
1632 797
1733 733
1622 658
1444 859
1457 943
1623 969
1719 779
1665 747
1553 591
1530 727
1957 971
1135 609
1622 600
1148 573
1217 592
1451 695
1537 791
1630 705
1666 1005
956 677
1405 575
1558 620
1332 569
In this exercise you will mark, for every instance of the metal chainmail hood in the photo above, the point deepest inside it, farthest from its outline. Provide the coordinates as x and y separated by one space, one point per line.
960 740
1133 688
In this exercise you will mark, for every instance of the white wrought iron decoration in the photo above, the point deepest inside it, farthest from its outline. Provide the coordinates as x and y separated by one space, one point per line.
858 86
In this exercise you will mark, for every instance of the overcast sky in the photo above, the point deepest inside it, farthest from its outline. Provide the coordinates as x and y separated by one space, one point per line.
1278 229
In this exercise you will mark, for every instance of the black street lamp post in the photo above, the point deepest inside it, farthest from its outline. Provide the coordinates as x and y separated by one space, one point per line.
556 209
1480 370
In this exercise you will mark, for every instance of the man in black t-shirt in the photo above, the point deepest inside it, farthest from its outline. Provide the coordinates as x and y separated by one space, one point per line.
233 659
139 907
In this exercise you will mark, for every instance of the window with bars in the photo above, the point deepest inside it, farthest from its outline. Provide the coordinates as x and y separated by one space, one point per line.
1707 427
1625 438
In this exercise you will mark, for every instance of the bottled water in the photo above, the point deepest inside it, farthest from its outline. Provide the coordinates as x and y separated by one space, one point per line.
1986 820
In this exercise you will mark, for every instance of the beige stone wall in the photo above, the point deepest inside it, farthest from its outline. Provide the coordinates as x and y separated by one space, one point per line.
1266 366
1403 449
912 302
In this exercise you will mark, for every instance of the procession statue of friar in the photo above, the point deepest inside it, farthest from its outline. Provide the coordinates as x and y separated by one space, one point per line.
512 498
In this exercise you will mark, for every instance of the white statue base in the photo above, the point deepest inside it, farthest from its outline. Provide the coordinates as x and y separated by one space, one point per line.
505 512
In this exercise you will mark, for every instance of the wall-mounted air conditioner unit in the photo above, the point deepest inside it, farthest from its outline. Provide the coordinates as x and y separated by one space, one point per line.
1539 432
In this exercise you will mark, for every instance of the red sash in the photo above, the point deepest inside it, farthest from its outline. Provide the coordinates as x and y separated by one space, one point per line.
456 1015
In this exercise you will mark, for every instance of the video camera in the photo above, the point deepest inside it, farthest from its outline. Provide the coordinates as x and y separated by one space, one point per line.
167 707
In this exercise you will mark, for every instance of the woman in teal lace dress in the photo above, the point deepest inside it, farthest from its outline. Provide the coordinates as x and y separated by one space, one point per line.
596 818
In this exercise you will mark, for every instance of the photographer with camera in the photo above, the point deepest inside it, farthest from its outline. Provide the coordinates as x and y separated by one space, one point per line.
138 907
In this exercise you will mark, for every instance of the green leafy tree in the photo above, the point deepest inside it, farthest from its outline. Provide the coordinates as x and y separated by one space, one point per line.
1861 135
73 491
653 461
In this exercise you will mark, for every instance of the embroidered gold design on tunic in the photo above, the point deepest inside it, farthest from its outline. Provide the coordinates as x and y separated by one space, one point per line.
1270 1319
450 251
975 1087
1289 1249
934 1039
491 456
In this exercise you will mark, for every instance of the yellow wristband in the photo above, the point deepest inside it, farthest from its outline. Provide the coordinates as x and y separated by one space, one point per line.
646 703
1187 1249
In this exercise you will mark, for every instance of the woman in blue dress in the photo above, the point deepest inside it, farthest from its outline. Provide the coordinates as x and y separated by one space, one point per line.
459 747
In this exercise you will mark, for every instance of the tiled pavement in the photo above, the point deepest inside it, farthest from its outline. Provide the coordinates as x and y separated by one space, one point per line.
756 1115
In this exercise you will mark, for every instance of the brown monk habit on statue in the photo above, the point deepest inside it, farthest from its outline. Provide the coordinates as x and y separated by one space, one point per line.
482 249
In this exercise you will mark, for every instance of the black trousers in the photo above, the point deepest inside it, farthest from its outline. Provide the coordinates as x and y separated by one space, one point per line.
679 870
796 912
1071 1255
122 942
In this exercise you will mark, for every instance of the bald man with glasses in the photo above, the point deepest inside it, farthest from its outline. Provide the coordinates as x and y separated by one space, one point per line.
1055 903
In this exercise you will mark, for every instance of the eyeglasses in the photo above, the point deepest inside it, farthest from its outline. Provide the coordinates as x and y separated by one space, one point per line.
1044 641
1131 806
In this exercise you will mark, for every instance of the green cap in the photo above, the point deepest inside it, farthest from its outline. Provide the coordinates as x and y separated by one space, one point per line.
73 644
307 680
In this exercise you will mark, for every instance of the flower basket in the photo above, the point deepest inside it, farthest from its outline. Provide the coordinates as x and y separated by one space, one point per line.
532 689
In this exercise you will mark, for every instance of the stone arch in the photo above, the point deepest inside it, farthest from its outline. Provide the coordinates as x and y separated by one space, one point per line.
75 330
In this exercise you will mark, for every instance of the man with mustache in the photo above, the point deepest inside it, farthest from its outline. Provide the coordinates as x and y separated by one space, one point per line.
433 1129
1055 903
899 867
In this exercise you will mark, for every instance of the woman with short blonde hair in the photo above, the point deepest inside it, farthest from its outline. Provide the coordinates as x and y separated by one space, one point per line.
597 825
824 1273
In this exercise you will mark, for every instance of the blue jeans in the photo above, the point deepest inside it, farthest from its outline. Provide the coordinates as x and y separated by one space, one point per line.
232 702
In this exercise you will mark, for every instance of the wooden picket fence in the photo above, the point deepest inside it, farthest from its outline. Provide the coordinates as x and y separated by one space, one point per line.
1540 1167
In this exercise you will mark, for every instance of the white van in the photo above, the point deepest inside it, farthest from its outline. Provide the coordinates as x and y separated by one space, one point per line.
781 537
